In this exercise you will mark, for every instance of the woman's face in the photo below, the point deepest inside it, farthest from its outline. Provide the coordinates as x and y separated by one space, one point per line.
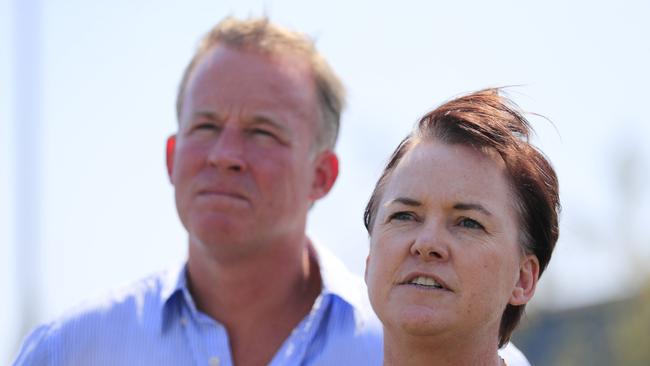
444 253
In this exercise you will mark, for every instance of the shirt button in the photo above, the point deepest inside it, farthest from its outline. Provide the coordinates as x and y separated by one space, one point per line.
214 361
183 321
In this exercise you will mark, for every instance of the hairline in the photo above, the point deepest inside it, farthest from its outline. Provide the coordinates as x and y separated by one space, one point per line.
322 141
419 136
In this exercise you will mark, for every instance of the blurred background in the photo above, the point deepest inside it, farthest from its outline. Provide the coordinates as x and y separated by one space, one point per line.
87 100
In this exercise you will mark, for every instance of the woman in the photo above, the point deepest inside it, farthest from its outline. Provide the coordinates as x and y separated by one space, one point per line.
462 223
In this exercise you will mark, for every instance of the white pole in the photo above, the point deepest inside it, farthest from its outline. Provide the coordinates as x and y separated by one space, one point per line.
26 78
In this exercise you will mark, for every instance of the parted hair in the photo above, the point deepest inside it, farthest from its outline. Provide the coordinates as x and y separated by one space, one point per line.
488 120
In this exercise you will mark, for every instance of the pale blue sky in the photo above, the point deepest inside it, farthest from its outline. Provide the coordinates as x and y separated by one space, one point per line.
109 77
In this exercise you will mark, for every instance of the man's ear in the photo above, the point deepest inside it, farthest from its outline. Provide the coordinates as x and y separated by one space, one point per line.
171 148
527 282
326 167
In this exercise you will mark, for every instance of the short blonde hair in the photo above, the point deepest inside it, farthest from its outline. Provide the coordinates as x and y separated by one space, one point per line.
260 35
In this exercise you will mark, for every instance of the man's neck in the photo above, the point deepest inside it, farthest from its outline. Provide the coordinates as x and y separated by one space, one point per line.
259 299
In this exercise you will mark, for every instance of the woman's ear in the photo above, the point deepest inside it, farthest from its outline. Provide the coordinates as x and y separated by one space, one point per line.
527 280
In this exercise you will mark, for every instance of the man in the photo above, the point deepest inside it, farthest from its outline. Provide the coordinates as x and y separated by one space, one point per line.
258 111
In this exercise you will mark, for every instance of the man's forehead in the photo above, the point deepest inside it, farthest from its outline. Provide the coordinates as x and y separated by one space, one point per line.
250 72
287 63
228 80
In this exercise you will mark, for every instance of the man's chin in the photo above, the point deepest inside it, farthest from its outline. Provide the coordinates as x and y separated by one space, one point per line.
220 230
227 249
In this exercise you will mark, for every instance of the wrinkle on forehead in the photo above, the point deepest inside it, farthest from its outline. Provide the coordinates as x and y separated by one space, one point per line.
482 159
234 83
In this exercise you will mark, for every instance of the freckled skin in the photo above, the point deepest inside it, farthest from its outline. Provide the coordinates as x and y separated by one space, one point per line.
480 265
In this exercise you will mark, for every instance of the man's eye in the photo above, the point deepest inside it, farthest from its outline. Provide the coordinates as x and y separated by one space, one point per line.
468 223
206 126
203 127
262 132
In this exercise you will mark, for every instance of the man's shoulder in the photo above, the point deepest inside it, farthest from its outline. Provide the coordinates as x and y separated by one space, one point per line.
131 310
132 300
347 288
350 332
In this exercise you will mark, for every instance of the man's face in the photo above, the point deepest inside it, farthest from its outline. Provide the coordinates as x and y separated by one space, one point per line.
244 167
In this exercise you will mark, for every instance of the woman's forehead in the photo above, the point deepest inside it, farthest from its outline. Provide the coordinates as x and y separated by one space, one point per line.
432 167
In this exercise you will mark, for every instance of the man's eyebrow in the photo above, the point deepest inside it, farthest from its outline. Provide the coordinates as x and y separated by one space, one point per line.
472 206
215 116
405 201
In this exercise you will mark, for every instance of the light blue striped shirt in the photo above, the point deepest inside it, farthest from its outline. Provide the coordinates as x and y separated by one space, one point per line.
156 322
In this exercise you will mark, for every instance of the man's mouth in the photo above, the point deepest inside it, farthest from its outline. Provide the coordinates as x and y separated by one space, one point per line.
222 193
224 197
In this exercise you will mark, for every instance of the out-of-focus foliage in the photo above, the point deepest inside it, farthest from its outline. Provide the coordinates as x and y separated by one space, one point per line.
631 336
616 333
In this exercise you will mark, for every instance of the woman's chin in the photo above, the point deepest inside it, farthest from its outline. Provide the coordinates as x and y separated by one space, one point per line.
419 320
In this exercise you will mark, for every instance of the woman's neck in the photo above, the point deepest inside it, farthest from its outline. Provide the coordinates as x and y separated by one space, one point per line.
413 350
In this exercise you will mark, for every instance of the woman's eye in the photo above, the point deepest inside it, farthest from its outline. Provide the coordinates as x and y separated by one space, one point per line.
470 223
402 216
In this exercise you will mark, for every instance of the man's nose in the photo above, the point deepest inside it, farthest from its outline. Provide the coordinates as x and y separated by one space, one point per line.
227 152
432 243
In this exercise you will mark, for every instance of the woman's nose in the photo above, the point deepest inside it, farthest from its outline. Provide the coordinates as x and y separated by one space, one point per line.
431 243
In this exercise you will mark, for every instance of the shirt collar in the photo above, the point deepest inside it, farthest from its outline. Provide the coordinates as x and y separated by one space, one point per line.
338 280
173 288
173 280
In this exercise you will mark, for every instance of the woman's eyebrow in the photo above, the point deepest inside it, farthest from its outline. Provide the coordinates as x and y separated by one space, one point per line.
405 201
472 206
